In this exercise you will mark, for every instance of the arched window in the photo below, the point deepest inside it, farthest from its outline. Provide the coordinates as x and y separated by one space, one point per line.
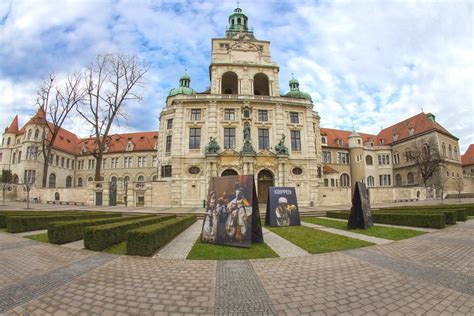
29 134
154 178
398 179
450 151
455 153
37 133
126 179
444 149
370 181
369 160
229 172
90 179
261 85
8 141
239 20
344 181
79 182
113 179
229 83
141 179
426 150
52 181
68 181
410 178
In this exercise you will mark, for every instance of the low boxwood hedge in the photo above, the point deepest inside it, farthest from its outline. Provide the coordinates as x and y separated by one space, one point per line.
145 241
104 236
18 224
452 215
63 232
431 220
4 214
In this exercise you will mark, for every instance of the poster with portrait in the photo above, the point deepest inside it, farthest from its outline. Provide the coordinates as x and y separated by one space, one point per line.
361 215
282 207
232 216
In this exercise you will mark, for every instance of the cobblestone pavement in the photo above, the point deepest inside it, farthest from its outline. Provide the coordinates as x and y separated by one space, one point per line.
180 247
431 274
374 240
281 246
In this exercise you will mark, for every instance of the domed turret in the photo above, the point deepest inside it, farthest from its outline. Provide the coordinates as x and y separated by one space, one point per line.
295 92
184 87
238 23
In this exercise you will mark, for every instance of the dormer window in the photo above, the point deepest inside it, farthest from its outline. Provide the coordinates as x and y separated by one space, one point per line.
382 141
395 137
130 146
323 140
411 131
338 141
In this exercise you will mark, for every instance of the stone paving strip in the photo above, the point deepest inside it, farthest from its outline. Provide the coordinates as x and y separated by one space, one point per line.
16 244
180 246
25 290
239 290
79 244
423 229
34 232
281 246
374 240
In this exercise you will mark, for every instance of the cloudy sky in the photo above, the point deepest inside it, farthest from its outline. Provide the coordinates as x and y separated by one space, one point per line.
376 62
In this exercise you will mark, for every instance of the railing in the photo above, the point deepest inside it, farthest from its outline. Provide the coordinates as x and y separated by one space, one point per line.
241 97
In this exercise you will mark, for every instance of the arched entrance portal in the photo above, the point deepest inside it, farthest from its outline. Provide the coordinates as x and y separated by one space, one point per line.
265 180
229 172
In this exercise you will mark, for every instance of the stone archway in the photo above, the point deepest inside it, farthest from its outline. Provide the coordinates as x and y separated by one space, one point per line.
266 179
229 172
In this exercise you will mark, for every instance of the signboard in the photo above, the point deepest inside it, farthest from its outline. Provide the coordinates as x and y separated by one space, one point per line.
282 207
232 216
361 216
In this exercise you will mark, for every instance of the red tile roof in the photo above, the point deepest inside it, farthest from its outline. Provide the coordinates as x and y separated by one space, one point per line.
334 134
468 158
421 123
142 141
13 128
327 169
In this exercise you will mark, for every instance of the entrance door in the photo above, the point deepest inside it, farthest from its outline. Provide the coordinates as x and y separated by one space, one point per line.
265 180
98 198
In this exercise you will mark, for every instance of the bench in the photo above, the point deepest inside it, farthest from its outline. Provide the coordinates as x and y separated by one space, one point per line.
65 203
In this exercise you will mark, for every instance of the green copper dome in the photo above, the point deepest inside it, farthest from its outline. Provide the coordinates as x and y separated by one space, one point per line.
295 92
238 23
184 87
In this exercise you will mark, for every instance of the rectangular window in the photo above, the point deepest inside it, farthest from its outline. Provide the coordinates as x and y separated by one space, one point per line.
263 139
343 158
168 144
114 163
67 163
332 183
169 124
104 161
57 161
327 157
384 180
127 162
229 114
326 182
62 162
229 137
194 138
166 171
19 156
295 140
141 162
195 114
1 157
294 118
72 164
262 115
91 164
155 161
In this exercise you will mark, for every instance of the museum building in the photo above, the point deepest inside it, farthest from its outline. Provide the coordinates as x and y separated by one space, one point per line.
241 125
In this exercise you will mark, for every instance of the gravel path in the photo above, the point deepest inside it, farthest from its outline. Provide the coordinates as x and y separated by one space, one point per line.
423 229
180 247
281 246
374 240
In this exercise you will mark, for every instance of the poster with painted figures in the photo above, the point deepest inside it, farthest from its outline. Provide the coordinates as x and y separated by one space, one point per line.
232 216
282 207
361 216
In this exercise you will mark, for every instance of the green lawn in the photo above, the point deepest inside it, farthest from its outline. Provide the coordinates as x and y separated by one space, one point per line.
205 251
118 249
391 233
3 230
43 237
316 241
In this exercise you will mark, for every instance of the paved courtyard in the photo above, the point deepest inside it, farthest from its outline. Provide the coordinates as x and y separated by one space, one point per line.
430 274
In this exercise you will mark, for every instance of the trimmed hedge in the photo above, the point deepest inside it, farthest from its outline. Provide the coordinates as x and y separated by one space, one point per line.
145 241
432 220
18 224
452 215
63 232
104 236
4 214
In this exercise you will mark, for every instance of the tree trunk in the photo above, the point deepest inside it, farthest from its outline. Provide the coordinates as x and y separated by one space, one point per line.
46 167
98 166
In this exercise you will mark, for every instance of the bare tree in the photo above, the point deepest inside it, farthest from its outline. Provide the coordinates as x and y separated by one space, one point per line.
55 102
111 82
459 186
440 181
426 157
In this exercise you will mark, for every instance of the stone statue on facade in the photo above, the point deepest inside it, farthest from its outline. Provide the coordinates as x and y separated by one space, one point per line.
247 149
280 148
213 147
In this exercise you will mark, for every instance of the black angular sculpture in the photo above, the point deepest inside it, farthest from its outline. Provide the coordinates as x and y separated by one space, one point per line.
361 216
